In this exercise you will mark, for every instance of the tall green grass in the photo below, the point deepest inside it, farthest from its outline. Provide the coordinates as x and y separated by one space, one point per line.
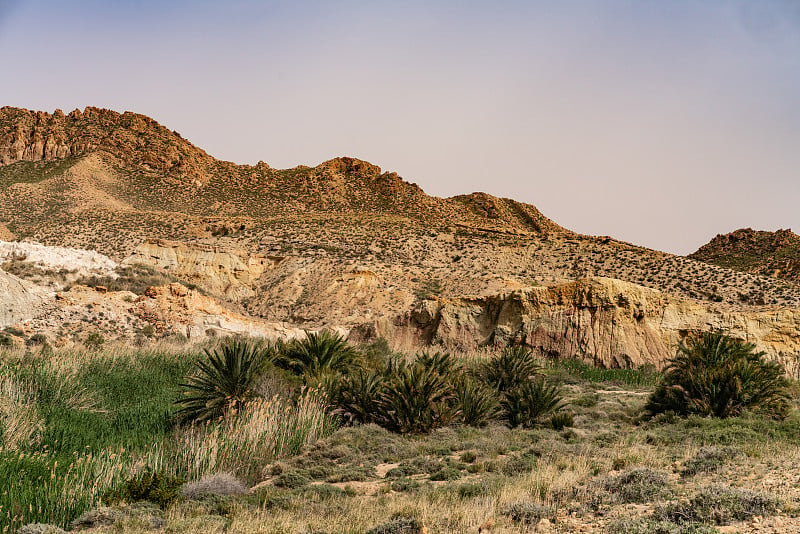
265 429
644 377
84 422
90 415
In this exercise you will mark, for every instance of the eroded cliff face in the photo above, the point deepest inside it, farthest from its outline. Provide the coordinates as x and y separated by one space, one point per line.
222 272
603 321
20 300
175 308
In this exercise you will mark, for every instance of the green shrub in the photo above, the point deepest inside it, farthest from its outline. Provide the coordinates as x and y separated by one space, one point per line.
223 381
156 487
719 376
468 456
475 489
291 480
407 485
514 367
719 505
525 405
639 486
478 404
446 473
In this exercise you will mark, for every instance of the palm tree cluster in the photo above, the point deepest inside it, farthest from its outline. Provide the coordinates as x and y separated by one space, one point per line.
719 376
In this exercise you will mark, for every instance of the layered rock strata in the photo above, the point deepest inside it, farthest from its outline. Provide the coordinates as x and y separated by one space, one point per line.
222 272
603 321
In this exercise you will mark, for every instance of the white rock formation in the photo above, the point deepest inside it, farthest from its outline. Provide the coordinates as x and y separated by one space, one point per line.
80 262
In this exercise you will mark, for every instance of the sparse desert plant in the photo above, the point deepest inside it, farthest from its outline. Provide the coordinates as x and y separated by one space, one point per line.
526 512
639 485
94 341
216 484
650 526
708 460
400 525
719 376
225 379
719 505
513 367
526 404
561 420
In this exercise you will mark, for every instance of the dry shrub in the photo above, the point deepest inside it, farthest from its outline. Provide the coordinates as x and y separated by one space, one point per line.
217 484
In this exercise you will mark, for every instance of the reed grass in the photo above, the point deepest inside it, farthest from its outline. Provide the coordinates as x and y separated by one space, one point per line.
264 430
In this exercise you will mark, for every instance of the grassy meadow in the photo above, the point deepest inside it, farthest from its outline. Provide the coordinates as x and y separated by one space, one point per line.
86 434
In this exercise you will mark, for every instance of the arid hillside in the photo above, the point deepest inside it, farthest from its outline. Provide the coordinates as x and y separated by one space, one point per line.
775 254
102 180
344 244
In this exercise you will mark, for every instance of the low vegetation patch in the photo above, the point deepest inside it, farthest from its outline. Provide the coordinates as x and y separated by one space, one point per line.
719 505
377 442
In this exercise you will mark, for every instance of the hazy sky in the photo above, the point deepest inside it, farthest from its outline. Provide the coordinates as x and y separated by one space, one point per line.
659 122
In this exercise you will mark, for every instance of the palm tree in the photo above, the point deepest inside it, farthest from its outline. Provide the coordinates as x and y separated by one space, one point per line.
318 354
719 376
223 380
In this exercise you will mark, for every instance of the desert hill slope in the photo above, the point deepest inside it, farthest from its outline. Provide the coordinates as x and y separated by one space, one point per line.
345 244
775 254
129 163
109 181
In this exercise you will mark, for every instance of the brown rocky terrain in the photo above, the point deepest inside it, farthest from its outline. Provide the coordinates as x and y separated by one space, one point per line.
775 254
344 244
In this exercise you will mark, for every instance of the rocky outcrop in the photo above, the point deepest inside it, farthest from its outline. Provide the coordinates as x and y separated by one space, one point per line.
176 309
20 300
603 321
134 139
222 272
79 261
775 254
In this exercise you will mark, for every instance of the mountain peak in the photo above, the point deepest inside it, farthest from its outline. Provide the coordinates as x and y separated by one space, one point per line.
136 140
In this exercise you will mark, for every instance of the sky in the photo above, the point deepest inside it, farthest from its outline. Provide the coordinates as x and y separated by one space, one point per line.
659 122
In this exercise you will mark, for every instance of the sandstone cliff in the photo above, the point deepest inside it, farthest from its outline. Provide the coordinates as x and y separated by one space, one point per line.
606 322
223 272
177 309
